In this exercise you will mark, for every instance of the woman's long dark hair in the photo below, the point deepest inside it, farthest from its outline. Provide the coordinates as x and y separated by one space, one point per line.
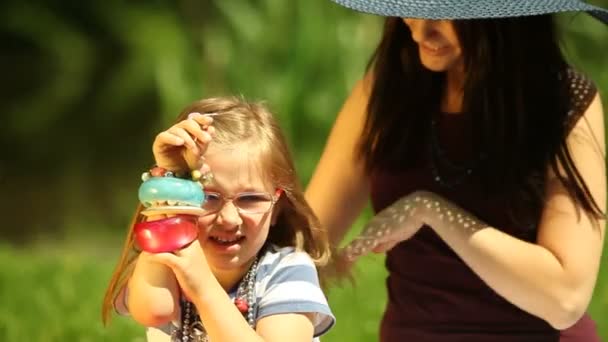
516 91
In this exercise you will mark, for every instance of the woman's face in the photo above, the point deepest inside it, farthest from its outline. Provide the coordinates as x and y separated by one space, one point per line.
438 44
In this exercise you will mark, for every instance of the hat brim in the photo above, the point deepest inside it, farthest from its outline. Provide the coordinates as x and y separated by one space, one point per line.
438 9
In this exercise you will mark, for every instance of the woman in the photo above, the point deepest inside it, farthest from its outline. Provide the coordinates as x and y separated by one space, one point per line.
482 150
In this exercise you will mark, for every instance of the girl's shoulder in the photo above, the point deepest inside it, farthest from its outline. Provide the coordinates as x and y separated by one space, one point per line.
275 258
287 282
281 266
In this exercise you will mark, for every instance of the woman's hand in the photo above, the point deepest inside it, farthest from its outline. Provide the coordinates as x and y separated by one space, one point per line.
190 267
181 147
396 223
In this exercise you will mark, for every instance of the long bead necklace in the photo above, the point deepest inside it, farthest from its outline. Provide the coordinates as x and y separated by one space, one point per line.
439 159
192 329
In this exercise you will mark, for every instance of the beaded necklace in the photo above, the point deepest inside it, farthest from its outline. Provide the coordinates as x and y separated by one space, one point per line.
192 329
439 160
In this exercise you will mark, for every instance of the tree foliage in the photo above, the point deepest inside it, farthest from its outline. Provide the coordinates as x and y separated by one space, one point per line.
86 86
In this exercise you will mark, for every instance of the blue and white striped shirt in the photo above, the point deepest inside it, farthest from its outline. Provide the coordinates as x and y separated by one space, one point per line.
286 282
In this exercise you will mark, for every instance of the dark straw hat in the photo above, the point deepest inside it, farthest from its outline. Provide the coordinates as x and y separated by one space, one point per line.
471 9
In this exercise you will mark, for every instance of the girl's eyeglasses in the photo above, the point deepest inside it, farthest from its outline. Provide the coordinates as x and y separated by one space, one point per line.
245 202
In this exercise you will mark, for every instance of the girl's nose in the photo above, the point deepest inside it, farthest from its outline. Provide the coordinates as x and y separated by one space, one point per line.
229 216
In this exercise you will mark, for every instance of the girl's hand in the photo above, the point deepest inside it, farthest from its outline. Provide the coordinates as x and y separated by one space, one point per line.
396 223
189 266
181 147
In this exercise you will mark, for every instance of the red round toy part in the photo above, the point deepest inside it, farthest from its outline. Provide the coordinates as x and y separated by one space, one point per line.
166 235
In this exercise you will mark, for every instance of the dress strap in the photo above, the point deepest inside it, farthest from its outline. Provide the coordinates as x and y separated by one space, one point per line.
582 91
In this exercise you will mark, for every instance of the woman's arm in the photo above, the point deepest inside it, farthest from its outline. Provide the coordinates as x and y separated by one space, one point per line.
339 187
555 278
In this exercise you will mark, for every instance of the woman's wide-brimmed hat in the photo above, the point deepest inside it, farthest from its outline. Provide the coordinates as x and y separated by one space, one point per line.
471 9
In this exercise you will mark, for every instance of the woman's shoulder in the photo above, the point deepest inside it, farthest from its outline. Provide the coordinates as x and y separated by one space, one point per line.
581 91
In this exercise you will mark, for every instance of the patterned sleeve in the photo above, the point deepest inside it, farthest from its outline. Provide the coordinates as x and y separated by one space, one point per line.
290 284
581 91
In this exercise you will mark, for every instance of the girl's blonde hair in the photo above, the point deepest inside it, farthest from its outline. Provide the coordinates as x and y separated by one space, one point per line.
252 123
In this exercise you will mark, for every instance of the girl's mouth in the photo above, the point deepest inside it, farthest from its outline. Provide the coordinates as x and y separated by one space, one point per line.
225 241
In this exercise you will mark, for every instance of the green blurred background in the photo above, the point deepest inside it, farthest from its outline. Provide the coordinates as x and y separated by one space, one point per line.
86 86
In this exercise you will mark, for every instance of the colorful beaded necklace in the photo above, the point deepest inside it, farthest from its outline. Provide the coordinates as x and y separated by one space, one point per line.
192 329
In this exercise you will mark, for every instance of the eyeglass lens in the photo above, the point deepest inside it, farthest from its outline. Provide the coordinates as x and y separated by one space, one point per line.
247 202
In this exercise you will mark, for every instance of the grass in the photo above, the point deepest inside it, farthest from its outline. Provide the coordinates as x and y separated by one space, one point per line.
55 295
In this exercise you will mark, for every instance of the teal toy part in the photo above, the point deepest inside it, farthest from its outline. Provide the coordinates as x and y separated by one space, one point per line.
171 191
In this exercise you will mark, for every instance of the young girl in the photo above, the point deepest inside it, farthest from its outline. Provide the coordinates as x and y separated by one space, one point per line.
250 275
483 153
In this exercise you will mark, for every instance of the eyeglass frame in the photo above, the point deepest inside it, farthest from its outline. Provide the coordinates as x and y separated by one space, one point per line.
229 199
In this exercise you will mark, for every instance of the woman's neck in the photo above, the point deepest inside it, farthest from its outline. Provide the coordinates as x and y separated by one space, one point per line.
453 92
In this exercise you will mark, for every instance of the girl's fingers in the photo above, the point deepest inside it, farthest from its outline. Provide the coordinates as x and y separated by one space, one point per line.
205 121
168 259
202 119
195 131
168 138
180 132
211 131
188 250
203 137
188 132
